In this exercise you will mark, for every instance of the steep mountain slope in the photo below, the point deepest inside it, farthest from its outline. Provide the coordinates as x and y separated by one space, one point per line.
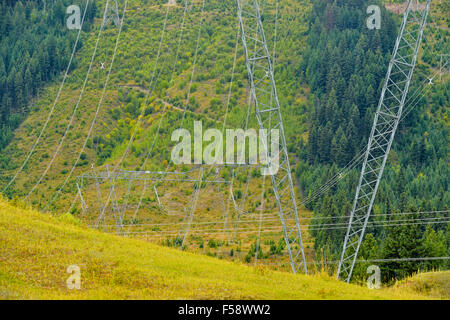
179 77
184 67
37 249
136 64
35 46
345 64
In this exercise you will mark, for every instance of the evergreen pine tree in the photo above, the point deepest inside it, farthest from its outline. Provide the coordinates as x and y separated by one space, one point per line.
403 241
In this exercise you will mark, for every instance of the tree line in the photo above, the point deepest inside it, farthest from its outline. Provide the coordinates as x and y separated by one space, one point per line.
345 65
35 47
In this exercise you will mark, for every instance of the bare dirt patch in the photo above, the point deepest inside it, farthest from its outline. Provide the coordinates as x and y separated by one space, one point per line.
401 8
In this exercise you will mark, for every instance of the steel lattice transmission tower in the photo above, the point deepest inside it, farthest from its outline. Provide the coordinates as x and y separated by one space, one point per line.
387 117
268 113
111 13
184 231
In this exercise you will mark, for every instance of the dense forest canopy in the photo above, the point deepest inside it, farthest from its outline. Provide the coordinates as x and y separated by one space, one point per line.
35 46
345 66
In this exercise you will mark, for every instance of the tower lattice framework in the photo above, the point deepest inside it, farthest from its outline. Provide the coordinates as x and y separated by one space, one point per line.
268 114
387 117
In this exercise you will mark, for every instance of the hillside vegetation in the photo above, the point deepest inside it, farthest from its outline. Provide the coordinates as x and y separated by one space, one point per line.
35 46
36 249
345 64
136 69
124 101
328 69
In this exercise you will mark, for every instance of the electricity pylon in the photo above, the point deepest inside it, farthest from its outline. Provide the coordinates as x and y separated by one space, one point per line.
387 117
111 13
268 113
184 231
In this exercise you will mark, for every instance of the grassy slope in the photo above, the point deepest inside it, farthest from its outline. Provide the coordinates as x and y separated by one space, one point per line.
133 66
432 284
36 249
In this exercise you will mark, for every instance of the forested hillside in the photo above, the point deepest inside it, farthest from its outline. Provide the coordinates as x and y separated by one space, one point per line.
35 46
161 52
345 65
171 65
173 79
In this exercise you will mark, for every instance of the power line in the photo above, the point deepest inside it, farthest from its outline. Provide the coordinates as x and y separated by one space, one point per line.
58 192
371 261
320 191
157 133
308 227
271 217
149 92
274 220
417 99
73 113
120 163
166 93
258 241
191 81
162 234
197 187
411 103
334 180
54 103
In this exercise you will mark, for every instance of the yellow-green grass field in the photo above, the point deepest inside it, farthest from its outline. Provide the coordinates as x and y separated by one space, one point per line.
36 249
